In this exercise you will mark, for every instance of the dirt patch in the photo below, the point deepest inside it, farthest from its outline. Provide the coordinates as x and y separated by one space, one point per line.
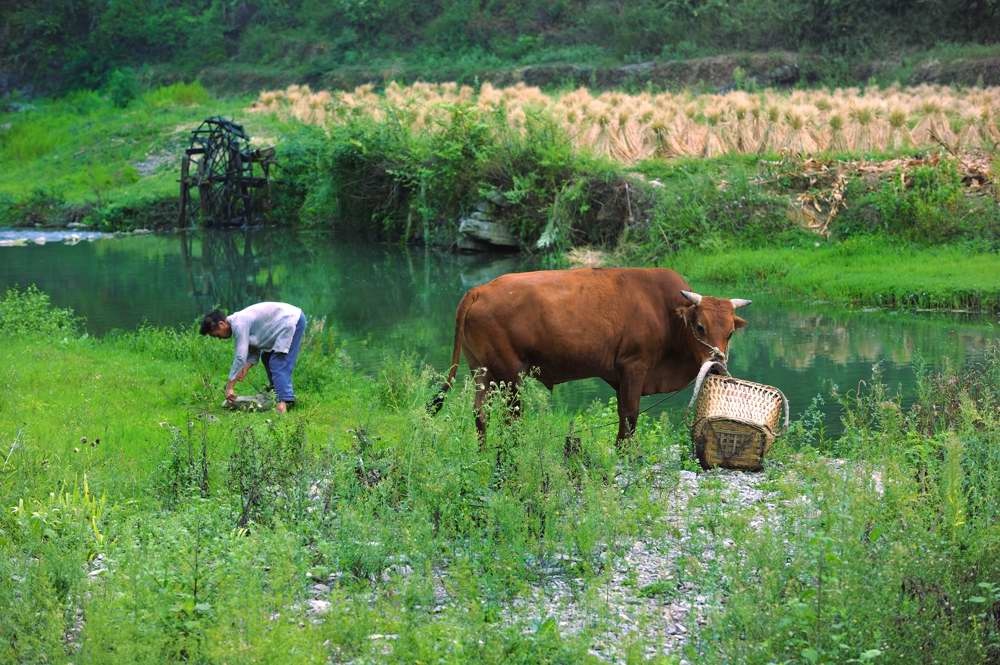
777 70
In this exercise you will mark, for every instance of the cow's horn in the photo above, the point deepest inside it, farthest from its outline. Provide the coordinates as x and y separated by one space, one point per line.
692 296
739 302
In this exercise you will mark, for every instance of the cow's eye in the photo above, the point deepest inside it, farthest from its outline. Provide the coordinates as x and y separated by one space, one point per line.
701 329
731 334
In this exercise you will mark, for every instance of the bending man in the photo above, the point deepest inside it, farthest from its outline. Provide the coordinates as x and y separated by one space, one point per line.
268 331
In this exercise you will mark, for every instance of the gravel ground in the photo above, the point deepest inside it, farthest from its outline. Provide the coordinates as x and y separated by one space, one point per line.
646 598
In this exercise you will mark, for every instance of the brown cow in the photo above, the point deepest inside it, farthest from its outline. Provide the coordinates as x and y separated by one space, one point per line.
641 330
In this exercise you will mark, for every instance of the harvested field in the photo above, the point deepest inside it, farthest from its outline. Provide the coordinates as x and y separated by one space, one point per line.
630 128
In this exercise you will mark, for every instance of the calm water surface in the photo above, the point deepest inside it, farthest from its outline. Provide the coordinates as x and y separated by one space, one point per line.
383 301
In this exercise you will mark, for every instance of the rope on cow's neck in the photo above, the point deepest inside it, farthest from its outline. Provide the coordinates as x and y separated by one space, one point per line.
716 351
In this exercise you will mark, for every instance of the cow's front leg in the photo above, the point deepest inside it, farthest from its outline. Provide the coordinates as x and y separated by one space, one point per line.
629 392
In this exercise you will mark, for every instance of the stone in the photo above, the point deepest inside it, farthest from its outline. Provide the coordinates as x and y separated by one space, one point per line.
492 232
467 244
259 402
319 607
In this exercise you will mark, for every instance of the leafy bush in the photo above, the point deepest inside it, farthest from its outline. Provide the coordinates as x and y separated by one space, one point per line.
698 208
184 473
30 312
299 174
387 181
928 205
265 469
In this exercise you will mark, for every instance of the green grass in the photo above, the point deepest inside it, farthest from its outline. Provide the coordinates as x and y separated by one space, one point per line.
102 442
123 485
80 156
857 272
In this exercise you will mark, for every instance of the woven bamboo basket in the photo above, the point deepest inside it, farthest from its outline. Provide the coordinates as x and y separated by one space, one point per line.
736 422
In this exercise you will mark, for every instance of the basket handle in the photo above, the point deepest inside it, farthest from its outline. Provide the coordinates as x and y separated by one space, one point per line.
710 365
784 400
706 367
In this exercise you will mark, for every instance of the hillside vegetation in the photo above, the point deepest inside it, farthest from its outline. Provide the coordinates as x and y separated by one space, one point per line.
62 44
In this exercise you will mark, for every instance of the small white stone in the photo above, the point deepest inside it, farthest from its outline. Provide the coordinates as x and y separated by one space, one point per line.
319 607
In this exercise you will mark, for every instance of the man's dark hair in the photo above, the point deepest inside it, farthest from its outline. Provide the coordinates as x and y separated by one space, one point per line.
212 318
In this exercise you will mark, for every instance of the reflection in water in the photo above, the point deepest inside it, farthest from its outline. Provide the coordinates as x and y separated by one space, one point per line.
221 269
381 301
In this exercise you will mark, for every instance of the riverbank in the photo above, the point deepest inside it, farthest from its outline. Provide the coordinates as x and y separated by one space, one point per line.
145 523
861 273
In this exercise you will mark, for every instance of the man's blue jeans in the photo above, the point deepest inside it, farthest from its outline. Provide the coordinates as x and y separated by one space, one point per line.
280 365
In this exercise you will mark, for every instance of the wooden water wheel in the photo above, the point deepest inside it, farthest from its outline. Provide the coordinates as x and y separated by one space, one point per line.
229 177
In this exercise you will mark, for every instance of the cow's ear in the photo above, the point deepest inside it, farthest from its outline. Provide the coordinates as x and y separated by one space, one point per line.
738 322
685 313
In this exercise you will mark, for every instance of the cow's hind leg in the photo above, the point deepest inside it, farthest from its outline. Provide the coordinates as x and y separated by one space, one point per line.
482 378
486 385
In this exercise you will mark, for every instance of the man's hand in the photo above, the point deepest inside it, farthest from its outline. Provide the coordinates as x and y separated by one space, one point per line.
230 393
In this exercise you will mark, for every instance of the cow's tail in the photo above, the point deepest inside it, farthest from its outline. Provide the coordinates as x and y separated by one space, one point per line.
463 308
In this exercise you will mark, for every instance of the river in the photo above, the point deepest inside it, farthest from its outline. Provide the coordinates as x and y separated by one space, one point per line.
382 301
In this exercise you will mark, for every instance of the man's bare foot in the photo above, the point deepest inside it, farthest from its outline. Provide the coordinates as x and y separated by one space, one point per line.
281 407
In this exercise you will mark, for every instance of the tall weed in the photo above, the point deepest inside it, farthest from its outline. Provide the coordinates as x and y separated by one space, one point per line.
889 553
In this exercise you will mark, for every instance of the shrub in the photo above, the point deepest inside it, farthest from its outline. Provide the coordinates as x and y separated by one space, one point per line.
927 205
123 87
700 209
30 312
265 470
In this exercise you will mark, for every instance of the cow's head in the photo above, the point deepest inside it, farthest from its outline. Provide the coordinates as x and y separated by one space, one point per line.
710 324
